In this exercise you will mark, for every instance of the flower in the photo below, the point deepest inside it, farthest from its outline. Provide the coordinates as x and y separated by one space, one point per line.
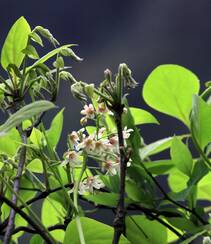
88 144
88 111
206 240
102 108
126 132
90 183
111 167
72 158
74 138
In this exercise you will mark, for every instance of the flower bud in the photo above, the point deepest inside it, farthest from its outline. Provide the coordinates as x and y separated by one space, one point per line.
108 75
78 91
68 52
89 90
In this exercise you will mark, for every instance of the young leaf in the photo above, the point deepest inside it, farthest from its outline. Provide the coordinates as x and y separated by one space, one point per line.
141 116
181 156
31 52
25 113
35 166
48 56
139 229
104 198
54 133
169 89
201 121
94 233
15 42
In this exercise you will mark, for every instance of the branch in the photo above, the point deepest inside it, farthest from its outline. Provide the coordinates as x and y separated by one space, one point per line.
16 186
16 209
119 220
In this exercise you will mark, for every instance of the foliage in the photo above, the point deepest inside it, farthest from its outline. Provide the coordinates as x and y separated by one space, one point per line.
125 178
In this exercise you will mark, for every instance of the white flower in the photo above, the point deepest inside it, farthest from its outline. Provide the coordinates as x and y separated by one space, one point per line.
72 158
126 132
90 183
206 240
102 108
88 111
88 144
111 167
74 138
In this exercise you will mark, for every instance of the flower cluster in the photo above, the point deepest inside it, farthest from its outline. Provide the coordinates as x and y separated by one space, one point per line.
102 146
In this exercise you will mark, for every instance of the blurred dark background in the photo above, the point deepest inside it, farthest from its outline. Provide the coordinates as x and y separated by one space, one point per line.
142 33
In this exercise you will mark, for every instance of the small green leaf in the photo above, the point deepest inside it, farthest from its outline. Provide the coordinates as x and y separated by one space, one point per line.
159 167
94 233
48 56
35 166
201 121
104 198
141 116
157 146
36 38
181 156
27 112
15 42
54 133
91 129
169 89
139 229
31 52
36 137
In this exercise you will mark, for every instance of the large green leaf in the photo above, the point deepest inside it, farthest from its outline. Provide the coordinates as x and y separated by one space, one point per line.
169 89
15 42
25 113
139 229
94 233
201 121
54 133
181 156
141 116
53 213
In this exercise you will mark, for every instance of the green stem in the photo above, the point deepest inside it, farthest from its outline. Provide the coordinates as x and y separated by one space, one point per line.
75 197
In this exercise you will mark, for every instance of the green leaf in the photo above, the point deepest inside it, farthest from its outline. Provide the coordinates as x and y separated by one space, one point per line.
31 52
104 198
181 156
201 121
15 42
91 129
169 89
157 146
53 213
27 112
139 229
37 137
36 38
54 133
35 166
141 116
36 239
48 56
94 233
159 167
9 143
182 224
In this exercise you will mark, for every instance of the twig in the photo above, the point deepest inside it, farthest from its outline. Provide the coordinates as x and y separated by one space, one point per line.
28 219
16 186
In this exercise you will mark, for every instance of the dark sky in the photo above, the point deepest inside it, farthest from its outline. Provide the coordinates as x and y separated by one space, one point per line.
142 33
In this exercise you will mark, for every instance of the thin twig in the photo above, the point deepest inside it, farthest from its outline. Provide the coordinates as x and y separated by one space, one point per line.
16 186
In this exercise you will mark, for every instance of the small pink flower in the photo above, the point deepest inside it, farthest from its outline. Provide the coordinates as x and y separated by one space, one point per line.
90 183
126 132
111 167
88 111
102 108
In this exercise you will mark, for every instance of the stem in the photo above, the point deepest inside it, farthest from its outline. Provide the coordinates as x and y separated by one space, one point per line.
75 197
166 196
16 186
28 219
119 220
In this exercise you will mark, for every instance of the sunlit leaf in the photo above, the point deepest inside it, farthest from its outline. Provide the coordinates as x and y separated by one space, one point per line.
94 233
15 42
169 89
201 121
